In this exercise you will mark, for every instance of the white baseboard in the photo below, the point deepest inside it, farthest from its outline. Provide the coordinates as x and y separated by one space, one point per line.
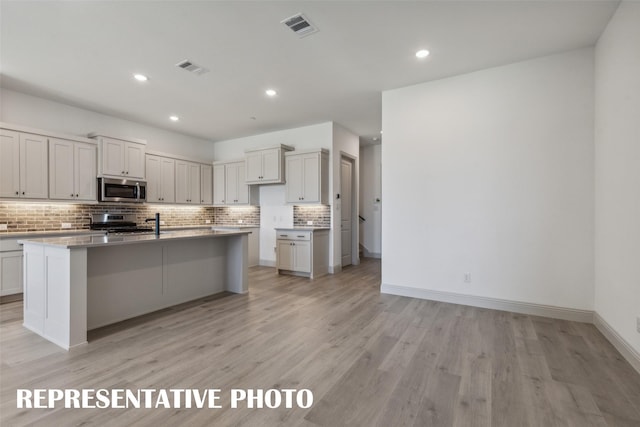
367 254
628 352
335 269
576 315
267 263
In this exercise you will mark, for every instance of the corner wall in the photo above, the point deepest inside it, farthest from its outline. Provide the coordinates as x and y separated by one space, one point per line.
617 176
491 174
370 191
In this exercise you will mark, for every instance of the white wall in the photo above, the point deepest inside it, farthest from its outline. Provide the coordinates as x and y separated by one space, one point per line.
370 191
491 173
274 212
617 173
22 109
347 143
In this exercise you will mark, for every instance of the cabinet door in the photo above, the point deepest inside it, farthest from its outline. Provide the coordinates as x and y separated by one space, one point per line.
253 165
182 181
10 272
206 184
271 165
219 184
194 183
34 166
154 178
284 255
294 174
232 183
9 163
61 165
135 160
302 256
113 152
243 189
85 171
311 178
167 180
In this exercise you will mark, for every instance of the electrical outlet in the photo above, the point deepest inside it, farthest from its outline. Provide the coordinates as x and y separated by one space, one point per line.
638 324
240 221
309 222
3 227
65 225
207 221
162 223
467 277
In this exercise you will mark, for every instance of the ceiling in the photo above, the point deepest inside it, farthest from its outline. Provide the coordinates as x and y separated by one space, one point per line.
84 53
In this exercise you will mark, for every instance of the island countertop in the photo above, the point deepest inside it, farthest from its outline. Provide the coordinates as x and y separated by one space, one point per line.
88 241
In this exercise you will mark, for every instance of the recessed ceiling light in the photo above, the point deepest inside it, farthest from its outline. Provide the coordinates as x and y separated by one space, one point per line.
422 53
270 92
140 77
174 118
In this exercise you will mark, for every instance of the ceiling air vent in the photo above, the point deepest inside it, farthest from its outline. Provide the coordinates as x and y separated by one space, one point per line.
191 67
300 25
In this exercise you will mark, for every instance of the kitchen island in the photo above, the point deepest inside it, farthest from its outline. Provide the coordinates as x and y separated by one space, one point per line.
75 284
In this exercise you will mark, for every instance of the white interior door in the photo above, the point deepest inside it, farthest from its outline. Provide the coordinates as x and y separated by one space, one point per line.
346 209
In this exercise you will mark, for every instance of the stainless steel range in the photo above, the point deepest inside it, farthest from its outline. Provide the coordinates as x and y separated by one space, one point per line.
117 224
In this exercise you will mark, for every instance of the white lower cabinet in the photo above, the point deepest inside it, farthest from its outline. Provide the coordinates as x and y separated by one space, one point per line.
302 252
10 273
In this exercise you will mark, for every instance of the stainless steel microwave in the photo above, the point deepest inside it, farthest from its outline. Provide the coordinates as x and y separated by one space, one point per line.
121 190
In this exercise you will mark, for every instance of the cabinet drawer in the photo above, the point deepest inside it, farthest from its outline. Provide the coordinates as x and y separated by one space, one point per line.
7 245
291 235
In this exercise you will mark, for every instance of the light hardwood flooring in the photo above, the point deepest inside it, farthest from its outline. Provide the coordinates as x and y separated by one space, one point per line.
370 359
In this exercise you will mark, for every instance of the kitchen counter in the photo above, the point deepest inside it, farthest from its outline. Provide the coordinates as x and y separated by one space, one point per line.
89 241
53 233
77 283
303 228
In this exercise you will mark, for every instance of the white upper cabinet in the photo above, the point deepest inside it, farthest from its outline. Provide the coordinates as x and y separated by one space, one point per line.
266 166
187 182
72 170
307 175
23 164
219 183
230 187
206 184
161 178
121 158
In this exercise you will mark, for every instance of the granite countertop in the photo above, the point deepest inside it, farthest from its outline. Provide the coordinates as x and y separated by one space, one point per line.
88 241
38 234
303 228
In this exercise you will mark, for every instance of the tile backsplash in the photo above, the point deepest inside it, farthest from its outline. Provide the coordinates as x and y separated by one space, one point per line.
319 214
20 216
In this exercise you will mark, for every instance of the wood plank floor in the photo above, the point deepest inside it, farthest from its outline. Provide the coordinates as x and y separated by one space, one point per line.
370 359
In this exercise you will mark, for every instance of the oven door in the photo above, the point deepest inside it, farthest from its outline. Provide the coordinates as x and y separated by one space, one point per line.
121 190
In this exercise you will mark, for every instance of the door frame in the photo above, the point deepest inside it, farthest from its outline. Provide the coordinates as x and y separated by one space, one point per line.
355 195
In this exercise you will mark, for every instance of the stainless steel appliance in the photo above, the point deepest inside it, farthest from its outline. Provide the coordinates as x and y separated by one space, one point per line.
121 190
117 223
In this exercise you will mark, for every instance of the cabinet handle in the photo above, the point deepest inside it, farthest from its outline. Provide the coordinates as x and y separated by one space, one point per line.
122 172
23 193
71 194
17 193
127 172
77 195
302 237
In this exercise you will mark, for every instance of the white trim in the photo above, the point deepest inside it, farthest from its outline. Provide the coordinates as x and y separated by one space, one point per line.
47 133
628 352
367 254
572 314
267 263
335 269
178 157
